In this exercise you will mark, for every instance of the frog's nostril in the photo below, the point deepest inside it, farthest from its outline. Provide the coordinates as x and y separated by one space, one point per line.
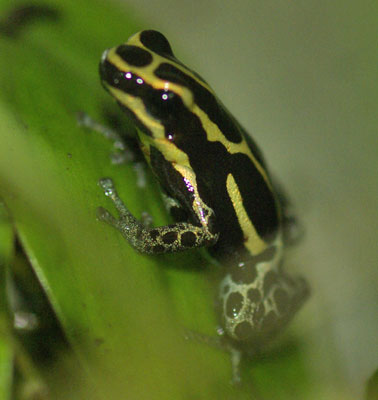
104 55
103 63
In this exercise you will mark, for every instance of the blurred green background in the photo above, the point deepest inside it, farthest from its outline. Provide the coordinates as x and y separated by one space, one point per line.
301 77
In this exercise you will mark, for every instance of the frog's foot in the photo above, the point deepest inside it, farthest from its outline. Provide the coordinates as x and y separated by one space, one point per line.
146 219
121 154
220 342
108 187
140 171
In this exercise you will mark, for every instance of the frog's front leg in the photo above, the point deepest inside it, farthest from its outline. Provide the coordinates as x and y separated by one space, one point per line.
162 239
85 120
122 154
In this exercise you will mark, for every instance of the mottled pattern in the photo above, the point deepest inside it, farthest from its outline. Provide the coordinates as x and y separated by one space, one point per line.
258 299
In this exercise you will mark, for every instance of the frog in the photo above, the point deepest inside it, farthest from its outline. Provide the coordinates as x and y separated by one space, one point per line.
216 185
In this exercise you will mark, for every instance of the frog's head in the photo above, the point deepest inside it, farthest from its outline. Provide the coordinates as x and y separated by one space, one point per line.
163 97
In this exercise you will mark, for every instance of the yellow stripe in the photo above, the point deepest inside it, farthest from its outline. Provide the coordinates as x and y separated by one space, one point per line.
146 73
253 242
148 76
214 134
135 40
169 150
136 105
201 209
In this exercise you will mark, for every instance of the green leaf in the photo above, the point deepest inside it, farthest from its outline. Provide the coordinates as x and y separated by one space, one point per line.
124 314
6 349
372 387
6 366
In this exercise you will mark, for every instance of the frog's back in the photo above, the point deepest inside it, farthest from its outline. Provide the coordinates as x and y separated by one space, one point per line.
185 129
232 179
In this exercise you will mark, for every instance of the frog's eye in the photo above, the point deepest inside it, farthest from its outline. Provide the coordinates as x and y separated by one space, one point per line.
162 104
109 73
156 42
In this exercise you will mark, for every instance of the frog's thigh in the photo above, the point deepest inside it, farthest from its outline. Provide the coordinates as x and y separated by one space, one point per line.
257 300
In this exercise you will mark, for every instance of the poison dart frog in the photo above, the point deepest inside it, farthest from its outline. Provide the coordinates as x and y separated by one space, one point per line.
215 183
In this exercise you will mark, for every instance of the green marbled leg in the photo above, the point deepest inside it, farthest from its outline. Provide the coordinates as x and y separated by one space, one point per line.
163 239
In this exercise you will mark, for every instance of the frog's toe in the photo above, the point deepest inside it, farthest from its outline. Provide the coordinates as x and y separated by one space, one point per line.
104 215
